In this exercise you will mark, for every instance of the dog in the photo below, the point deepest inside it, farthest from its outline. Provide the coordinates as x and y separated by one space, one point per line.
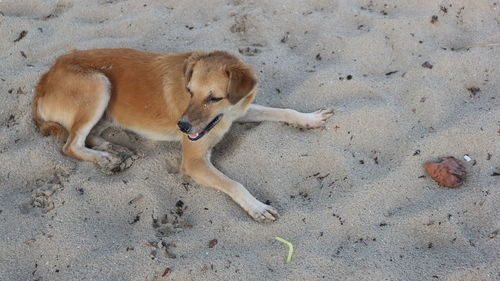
191 97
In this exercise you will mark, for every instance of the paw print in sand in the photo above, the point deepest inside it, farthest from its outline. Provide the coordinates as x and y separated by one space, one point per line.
172 222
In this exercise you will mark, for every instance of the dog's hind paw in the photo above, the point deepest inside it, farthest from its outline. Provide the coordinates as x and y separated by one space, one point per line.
112 163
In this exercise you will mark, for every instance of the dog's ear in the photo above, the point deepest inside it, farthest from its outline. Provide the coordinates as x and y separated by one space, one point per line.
189 64
241 82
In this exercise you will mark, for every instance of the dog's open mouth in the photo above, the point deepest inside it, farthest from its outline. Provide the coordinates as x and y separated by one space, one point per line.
199 135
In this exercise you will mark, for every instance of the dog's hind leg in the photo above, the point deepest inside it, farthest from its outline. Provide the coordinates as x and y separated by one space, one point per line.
259 113
89 101
96 141
94 138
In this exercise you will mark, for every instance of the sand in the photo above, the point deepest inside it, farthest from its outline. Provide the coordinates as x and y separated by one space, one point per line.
354 199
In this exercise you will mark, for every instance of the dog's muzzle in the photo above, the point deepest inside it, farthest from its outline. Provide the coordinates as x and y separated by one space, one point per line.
199 135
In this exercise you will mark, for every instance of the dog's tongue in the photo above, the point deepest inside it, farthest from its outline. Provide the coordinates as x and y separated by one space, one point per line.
193 136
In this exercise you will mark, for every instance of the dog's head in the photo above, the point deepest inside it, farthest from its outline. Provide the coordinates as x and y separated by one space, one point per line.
217 83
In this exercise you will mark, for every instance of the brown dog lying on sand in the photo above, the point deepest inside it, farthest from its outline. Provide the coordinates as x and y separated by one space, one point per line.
189 97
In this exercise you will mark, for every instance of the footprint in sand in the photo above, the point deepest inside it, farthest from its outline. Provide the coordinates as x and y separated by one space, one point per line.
249 51
42 197
172 222
241 24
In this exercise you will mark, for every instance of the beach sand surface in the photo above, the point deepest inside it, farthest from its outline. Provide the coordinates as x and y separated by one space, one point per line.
354 199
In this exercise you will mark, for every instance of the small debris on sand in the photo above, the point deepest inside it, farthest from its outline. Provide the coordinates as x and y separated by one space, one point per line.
21 36
135 199
285 37
212 243
448 171
474 90
496 172
427 65
166 272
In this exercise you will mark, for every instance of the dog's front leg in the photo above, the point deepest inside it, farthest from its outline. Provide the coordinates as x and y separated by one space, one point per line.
258 113
196 164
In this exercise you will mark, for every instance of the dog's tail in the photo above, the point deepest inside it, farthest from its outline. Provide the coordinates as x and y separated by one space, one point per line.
46 127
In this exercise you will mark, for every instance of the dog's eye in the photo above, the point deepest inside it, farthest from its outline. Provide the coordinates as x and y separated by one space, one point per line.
214 99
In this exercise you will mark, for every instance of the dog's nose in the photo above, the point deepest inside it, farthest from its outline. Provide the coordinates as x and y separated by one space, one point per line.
185 127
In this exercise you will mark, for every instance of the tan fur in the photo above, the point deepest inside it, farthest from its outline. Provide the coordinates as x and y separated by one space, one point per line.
46 127
84 92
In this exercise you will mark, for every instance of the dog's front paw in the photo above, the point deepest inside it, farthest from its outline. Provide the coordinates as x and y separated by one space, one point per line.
262 212
315 119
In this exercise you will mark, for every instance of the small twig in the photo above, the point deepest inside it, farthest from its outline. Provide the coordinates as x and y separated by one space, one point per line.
479 46
21 36
290 248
